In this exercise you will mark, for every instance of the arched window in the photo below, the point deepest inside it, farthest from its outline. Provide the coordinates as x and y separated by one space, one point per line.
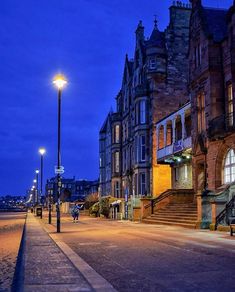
229 167
161 142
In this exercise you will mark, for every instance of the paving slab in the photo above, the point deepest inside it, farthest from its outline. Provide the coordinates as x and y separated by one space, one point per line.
46 267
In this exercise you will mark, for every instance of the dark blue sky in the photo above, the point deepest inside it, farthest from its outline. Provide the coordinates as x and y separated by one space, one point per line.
87 41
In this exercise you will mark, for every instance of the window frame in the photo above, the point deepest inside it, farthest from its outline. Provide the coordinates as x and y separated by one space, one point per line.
229 166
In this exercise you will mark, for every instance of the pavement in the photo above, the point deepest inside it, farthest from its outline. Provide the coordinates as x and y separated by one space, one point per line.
50 265
106 255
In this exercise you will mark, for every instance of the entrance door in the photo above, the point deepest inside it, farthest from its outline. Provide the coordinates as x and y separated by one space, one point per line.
200 177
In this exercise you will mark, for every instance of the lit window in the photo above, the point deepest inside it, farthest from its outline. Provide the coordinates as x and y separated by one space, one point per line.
229 167
201 121
230 105
117 134
185 171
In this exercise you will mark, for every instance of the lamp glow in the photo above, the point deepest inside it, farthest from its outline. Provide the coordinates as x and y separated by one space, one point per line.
37 171
59 81
34 180
42 151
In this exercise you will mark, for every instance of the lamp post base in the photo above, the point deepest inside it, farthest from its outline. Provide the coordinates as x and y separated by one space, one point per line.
58 217
49 214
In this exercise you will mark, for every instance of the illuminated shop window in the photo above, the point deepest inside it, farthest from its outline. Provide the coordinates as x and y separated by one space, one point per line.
229 167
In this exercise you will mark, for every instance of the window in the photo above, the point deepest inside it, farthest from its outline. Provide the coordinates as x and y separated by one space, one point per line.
185 171
142 112
116 162
124 160
142 184
161 140
230 105
152 64
229 167
142 148
117 189
201 121
176 173
116 134
197 56
136 149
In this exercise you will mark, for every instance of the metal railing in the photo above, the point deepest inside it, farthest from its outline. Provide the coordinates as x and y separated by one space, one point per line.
164 195
224 216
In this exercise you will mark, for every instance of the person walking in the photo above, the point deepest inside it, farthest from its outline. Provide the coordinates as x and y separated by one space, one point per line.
75 212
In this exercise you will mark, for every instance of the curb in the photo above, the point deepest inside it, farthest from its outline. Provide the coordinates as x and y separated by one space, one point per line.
18 278
97 282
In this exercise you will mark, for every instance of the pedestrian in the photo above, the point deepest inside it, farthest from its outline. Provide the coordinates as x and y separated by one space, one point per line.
75 212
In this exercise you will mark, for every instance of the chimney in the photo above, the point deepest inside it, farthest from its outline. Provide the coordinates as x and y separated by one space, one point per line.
196 3
139 32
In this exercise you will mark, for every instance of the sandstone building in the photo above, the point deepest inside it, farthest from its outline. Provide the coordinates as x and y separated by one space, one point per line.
154 83
212 69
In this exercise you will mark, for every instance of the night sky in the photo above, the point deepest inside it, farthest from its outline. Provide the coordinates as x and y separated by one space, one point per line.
86 40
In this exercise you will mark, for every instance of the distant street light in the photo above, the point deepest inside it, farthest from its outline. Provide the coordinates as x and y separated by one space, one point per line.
42 152
37 172
59 81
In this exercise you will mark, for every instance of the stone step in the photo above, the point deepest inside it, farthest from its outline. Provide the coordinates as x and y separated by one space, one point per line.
181 220
174 216
180 213
180 207
185 225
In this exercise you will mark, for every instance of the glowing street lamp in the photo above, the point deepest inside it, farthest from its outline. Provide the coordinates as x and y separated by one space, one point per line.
59 81
42 152
37 172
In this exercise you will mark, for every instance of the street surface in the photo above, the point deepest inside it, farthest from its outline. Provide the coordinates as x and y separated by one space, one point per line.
139 257
11 228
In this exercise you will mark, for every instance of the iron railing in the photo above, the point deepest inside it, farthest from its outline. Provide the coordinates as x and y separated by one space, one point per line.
224 216
165 195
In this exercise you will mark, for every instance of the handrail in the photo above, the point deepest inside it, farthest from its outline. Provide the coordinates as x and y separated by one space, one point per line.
225 212
163 196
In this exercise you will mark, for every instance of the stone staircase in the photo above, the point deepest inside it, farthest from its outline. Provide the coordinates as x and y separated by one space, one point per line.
177 214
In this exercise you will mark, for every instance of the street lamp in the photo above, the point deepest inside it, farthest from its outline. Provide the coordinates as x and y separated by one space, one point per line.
37 172
42 152
59 81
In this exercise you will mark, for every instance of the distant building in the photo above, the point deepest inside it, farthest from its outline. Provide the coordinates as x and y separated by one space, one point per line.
72 189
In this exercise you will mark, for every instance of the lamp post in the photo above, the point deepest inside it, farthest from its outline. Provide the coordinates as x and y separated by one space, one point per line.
59 81
35 191
37 172
42 152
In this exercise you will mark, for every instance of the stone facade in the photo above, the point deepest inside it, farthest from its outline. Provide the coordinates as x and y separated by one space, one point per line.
155 83
211 62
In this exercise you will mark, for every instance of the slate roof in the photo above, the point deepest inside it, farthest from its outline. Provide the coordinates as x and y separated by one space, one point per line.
215 23
157 39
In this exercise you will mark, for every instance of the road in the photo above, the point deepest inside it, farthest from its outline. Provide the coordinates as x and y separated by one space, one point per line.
138 257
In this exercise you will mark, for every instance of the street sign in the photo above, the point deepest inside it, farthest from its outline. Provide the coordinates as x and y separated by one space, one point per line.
59 170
